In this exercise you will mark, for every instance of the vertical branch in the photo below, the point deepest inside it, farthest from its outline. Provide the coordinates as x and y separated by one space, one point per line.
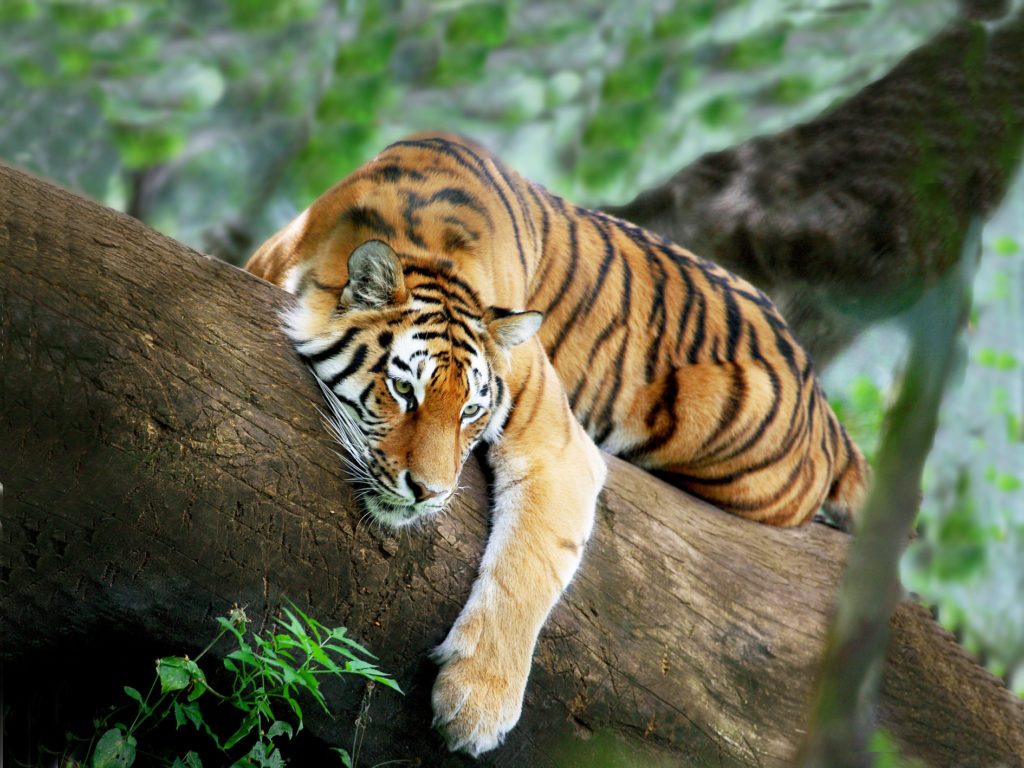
843 706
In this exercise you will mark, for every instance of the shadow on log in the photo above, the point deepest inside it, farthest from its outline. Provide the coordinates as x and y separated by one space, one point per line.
162 457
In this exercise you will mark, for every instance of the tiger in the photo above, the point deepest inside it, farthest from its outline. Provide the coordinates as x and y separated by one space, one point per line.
444 302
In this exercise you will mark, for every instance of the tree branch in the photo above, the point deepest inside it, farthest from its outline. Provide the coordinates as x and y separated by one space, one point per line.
849 218
162 456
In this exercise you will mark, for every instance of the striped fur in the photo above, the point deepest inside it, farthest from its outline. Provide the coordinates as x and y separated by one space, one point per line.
418 267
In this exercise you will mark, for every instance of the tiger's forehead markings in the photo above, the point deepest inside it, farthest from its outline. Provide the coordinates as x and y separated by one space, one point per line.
410 353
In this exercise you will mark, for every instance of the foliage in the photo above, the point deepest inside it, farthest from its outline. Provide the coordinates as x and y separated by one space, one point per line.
270 673
216 121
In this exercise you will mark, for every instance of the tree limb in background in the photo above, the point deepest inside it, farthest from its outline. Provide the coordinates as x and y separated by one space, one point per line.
849 218
162 457
845 694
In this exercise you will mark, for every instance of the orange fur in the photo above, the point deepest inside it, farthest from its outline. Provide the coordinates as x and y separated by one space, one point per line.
645 350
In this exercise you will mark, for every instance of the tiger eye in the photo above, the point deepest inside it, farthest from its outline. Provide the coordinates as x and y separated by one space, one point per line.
402 387
470 411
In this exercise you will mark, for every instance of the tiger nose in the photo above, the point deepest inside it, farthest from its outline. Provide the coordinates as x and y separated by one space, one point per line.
420 492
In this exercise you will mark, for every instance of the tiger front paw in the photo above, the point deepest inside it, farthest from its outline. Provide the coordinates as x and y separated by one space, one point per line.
478 696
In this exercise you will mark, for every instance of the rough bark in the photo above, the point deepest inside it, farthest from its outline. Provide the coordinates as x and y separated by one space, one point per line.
846 219
162 457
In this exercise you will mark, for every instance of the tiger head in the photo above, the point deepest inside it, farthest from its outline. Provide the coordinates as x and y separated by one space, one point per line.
412 366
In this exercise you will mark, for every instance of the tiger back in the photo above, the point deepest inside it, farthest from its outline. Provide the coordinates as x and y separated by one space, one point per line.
421 280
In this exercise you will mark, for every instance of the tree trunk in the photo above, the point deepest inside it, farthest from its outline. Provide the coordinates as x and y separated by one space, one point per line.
162 457
846 219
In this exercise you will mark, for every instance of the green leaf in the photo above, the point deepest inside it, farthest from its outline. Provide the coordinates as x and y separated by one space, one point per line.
760 50
179 716
683 19
463 64
992 358
622 128
195 716
266 756
293 624
228 626
1007 482
793 89
1005 246
483 24
367 54
722 111
1014 431
74 62
635 79
357 666
344 756
296 708
134 694
191 760
278 728
18 10
245 656
114 750
389 682
174 676
255 14
146 146
248 726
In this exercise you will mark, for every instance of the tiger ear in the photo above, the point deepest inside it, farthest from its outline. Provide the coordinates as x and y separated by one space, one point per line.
510 328
375 277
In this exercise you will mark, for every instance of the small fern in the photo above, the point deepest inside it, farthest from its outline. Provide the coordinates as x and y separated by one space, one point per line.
268 672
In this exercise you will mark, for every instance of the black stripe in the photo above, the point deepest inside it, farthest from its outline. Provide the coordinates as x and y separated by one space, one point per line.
449 149
755 436
657 310
358 358
426 335
734 323
699 334
460 344
603 269
460 199
332 350
470 297
368 218
570 270
393 172
381 364
545 222
733 406
364 414
365 394
688 304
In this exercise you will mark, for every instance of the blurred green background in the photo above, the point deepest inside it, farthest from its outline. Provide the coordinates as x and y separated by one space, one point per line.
216 122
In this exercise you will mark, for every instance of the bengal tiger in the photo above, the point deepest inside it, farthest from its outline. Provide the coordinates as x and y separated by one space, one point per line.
445 302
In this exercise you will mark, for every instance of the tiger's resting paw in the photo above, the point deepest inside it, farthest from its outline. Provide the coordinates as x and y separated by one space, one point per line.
476 700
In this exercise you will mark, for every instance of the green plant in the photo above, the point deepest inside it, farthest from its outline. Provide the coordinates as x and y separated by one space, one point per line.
270 674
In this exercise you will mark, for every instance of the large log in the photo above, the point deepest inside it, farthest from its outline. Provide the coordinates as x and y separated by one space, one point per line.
162 456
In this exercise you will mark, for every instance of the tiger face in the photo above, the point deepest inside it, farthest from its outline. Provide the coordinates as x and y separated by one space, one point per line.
411 365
